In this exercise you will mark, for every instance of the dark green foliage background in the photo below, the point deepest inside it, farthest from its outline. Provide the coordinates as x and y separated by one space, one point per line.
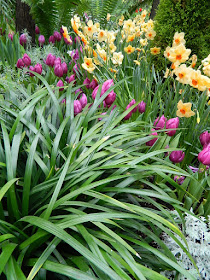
189 16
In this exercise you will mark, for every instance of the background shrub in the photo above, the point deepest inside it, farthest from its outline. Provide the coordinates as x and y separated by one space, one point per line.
188 16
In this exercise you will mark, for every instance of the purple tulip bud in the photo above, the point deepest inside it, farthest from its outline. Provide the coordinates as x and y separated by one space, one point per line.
71 79
176 156
57 36
41 40
32 69
110 98
204 155
75 68
87 83
93 84
77 107
61 31
142 107
26 59
204 138
60 84
67 41
37 31
23 39
57 61
50 60
152 142
133 101
10 36
160 122
52 39
172 124
179 180
94 93
64 67
83 100
38 68
20 63
58 70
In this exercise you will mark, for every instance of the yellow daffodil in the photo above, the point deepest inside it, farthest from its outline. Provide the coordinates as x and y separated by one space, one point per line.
143 42
167 52
66 35
182 72
184 110
102 36
155 50
197 80
117 58
150 34
166 73
108 17
130 38
136 62
112 47
178 39
194 60
138 49
129 49
88 64
179 54
128 25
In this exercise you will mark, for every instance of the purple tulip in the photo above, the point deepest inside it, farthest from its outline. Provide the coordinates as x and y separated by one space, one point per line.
110 98
93 84
57 36
57 61
71 79
41 40
176 156
10 36
20 63
32 69
160 122
37 31
172 124
133 101
60 84
23 39
87 83
204 138
38 68
75 68
83 100
179 180
67 41
64 67
152 142
77 107
204 155
58 70
94 93
106 86
50 60
26 59
61 31
52 39
142 107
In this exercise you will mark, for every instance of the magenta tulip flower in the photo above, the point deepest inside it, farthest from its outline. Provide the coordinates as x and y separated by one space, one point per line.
160 122
204 155
93 84
71 79
87 83
77 107
60 84
23 39
52 39
10 36
20 63
58 70
57 36
204 138
106 86
32 69
26 59
41 40
176 156
57 61
142 107
83 100
50 60
94 93
172 124
110 98
152 142
38 68
64 67
37 31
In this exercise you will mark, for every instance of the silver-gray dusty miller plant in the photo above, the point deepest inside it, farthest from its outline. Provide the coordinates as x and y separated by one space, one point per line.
197 232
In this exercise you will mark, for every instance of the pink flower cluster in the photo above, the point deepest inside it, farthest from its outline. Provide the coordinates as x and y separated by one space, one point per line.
25 61
60 68
141 108
108 101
